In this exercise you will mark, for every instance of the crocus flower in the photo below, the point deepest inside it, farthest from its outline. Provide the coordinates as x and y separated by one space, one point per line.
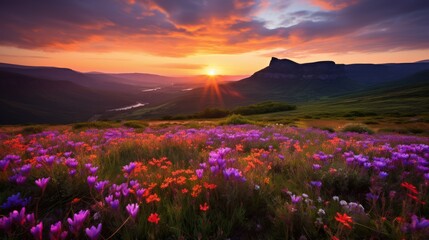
133 209
55 231
199 173
154 218
30 219
93 232
77 222
295 199
36 231
5 223
42 182
92 180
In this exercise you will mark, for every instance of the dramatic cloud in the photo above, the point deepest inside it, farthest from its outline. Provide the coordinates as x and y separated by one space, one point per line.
189 27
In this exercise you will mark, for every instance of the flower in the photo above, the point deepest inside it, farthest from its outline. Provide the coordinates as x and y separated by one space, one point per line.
36 231
295 199
56 232
77 222
42 182
417 224
93 232
133 209
199 173
5 223
154 218
344 219
317 184
204 207
91 180
410 187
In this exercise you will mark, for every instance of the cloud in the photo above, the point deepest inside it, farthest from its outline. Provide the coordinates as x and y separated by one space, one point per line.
334 4
189 27
181 65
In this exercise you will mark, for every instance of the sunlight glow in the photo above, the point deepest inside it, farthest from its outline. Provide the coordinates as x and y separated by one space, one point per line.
211 72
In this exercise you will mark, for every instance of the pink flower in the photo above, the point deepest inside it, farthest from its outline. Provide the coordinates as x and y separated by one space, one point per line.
42 182
133 209
36 231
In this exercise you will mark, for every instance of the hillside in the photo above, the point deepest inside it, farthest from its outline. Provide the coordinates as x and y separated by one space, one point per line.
25 99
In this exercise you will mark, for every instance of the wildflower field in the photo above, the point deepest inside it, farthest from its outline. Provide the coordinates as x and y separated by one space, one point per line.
220 182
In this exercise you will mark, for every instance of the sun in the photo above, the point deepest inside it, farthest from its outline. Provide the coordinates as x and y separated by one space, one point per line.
211 72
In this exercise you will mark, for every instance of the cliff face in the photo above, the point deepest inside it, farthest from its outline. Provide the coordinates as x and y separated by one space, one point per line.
287 69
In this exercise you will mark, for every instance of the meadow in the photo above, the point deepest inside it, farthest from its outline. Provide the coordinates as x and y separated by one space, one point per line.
212 182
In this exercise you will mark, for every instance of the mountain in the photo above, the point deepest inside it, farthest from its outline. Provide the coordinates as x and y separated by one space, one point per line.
286 80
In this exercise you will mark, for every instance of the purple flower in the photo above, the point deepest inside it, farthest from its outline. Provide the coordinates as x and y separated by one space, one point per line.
30 219
4 164
295 199
317 184
15 201
133 209
93 170
426 176
56 232
36 231
91 180
99 186
77 221
316 166
371 197
129 168
93 232
199 173
383 174
114 204
417 224
18 217
5 223
42 182
72 172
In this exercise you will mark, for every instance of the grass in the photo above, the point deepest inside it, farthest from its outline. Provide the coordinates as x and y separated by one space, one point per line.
357 128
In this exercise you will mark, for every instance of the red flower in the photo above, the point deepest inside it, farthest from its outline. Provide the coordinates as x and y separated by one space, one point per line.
154 218
204 207
410 187
344 219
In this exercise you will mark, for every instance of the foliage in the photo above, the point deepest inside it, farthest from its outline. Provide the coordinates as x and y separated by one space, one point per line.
263 107
88 125
357 128
235 119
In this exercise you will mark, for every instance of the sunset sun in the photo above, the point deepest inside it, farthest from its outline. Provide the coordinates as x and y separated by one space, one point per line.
211 72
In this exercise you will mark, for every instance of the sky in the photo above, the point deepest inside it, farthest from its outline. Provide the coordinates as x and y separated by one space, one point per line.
190 37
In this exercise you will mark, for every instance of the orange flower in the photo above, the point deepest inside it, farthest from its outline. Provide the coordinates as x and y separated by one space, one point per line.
185 190
209 185
196 190
181 180
154 218
204 207
344 219
152 198
75 200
